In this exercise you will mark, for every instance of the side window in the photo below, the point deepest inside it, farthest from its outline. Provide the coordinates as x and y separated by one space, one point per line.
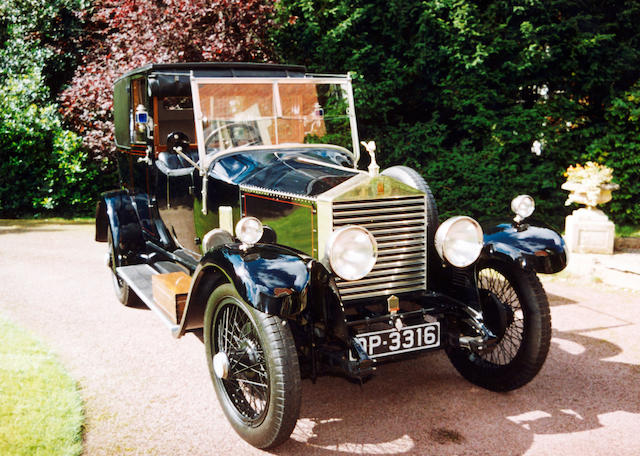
175 114
138 94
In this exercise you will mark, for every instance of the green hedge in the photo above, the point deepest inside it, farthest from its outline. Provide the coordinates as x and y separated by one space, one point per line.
460 91
43 166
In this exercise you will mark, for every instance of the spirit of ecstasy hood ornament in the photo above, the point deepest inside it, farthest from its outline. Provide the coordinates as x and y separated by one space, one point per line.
370 146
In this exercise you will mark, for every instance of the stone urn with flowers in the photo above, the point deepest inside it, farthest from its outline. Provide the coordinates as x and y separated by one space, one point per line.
589 230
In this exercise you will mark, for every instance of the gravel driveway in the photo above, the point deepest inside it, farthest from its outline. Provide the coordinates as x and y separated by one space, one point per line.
147 393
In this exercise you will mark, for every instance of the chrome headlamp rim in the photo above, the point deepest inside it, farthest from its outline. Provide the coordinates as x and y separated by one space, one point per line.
332 252
523 206
249 230
457 250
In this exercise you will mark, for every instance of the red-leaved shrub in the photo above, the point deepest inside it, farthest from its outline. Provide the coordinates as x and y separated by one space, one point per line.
122 35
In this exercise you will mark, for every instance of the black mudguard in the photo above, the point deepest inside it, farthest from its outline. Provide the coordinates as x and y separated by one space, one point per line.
534 247
271 278
116 210
131 222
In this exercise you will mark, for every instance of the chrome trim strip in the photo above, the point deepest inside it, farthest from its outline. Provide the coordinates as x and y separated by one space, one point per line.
407 230
287 195
389 248
366 219
325 228
399 237
371 292
417 223
383 210
396 201
395 270
384 258
401 246
397 278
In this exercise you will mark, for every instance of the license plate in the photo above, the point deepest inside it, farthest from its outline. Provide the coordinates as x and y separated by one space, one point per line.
393 341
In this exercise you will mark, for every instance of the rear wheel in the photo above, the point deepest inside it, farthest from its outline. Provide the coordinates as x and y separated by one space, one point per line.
124 294
254 367
516 310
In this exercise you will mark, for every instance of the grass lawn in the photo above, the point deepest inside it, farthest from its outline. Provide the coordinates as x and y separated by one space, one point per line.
40 407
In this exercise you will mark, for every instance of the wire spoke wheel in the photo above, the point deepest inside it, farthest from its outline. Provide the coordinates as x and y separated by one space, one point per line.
247 382
515 308
511 332
253 364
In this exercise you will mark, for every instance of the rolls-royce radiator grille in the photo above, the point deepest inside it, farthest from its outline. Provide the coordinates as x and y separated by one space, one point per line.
399 226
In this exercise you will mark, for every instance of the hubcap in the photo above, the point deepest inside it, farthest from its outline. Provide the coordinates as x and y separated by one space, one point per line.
221 365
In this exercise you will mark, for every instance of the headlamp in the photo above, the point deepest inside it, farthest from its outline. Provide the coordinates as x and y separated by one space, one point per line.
352 252
459 241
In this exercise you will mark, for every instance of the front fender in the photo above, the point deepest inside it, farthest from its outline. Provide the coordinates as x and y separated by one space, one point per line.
271 278
538 248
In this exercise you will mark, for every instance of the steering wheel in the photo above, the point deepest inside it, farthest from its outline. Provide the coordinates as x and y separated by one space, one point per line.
178 139
231 140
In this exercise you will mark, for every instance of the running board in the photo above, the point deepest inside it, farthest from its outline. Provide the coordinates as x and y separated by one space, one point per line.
139 279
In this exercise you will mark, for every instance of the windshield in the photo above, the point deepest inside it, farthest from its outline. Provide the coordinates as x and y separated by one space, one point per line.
236 112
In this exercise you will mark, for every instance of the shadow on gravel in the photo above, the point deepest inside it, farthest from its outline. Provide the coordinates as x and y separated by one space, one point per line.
555 300
423 406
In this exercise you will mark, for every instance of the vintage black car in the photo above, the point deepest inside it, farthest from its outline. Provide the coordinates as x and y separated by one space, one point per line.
243 217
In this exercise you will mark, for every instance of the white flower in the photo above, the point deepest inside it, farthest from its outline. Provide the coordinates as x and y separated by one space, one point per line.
536 148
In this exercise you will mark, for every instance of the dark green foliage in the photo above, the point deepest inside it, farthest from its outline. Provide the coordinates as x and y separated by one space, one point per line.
43 168
460 90
44 34
619 148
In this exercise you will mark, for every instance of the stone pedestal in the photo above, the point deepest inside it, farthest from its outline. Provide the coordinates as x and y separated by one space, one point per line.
589 231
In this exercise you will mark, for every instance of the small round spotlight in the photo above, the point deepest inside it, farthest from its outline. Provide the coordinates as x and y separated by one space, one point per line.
249 230
523 206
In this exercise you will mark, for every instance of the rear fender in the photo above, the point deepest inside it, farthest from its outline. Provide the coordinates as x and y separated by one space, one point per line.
115 210
271 278
532 247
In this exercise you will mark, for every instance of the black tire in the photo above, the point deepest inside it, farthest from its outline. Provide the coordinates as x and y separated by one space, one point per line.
124 294
522 322
261 392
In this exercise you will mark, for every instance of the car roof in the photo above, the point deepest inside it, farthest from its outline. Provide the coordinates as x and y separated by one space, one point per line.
219 69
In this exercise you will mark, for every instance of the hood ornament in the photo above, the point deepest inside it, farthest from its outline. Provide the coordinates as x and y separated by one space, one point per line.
370 146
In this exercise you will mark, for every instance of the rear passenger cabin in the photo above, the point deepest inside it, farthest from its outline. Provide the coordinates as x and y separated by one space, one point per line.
154 101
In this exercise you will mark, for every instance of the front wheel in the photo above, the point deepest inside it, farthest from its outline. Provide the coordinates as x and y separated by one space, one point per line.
254 367
515 308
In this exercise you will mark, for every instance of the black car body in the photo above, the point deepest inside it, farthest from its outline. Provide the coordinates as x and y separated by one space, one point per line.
329 269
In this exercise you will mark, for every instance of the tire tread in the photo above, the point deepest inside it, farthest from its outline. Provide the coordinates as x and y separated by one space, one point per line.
528 362
286 384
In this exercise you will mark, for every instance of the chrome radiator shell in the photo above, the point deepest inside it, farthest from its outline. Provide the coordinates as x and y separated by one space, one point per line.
396 215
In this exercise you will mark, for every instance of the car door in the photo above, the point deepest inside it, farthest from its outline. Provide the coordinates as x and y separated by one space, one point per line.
174 198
